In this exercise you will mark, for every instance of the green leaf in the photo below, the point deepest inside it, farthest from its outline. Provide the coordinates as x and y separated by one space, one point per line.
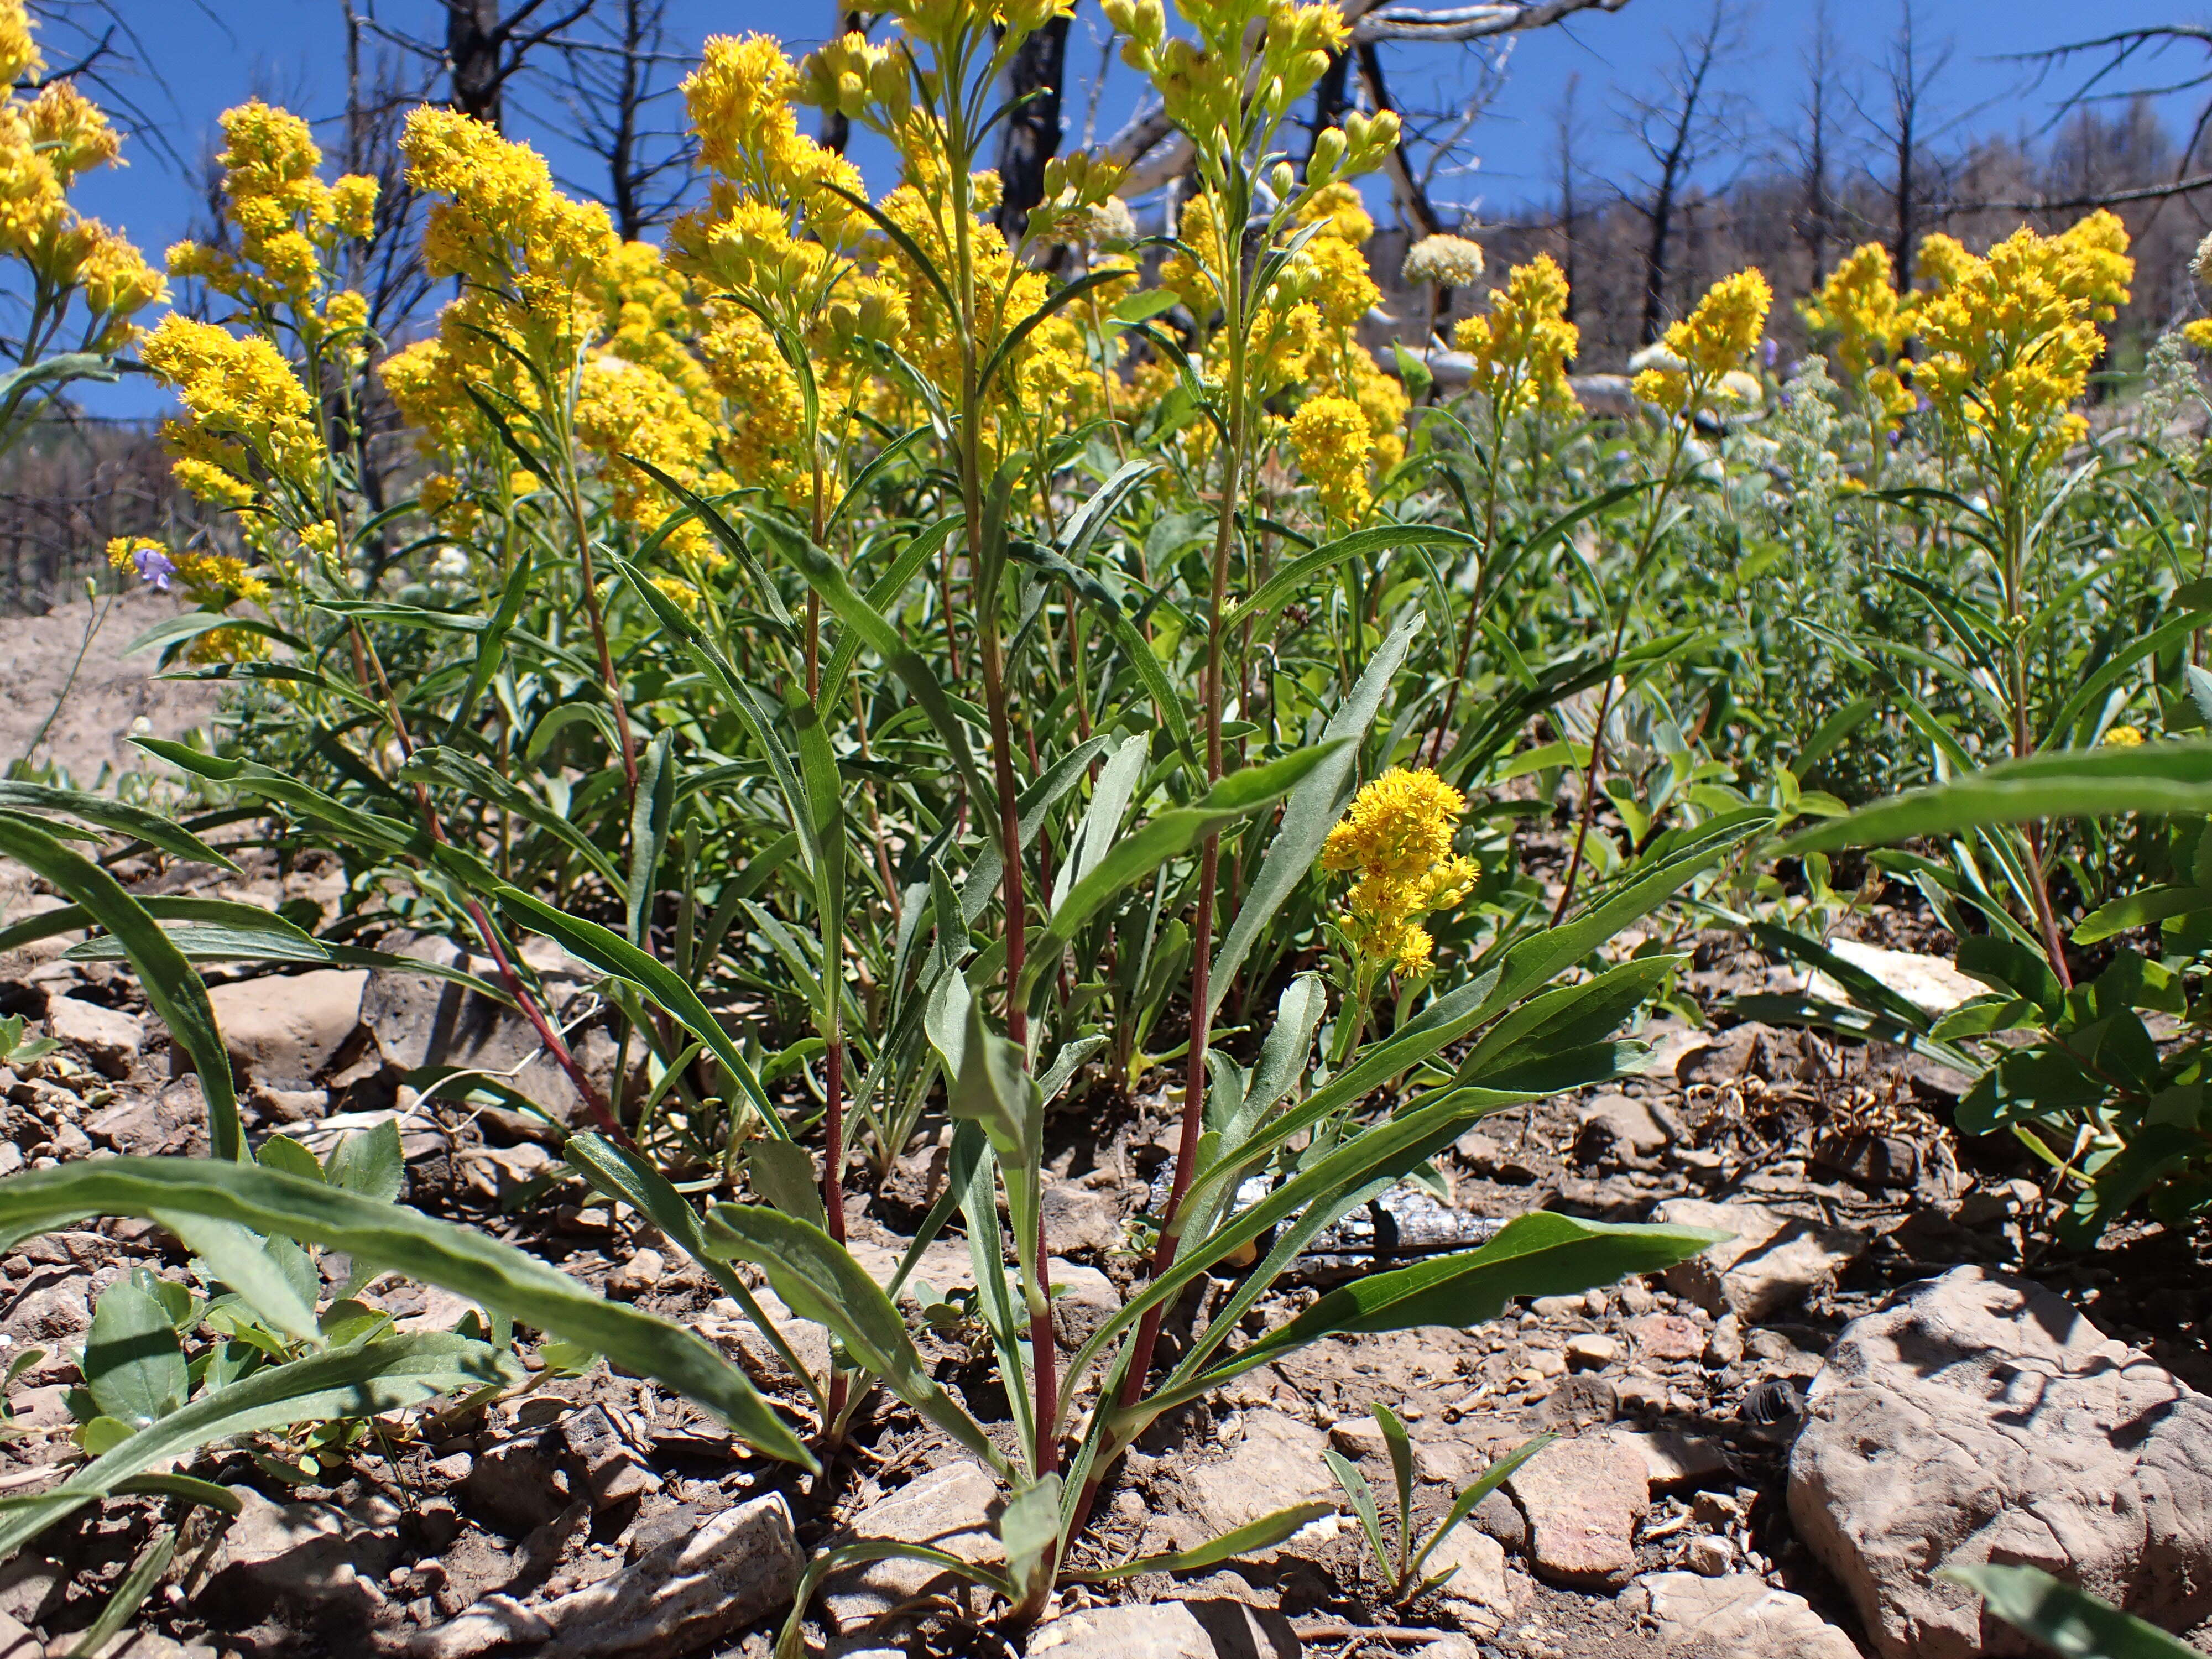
149 827
1362 1495
495 1276
1480 1488
249 1266
1173 832
199 941
611 953
346 1383
1313 808
1296 578
134 1367
2075 783
818 1279
1029 1529
2152 904
173 990
782 1172
1263 1533
452 769
1539 1253
2071 1622
369 1161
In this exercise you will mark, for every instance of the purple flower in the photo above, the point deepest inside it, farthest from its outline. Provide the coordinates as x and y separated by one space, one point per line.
154 568
1772 351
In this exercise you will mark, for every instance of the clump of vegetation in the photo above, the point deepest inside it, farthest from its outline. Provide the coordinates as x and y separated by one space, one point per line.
914 661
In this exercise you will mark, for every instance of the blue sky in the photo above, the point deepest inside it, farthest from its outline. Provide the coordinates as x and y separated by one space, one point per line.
213 53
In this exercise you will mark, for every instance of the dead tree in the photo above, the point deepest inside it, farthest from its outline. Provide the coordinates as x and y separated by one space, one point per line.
483 49
1815 143
1675 130
617 75
1032 135
1908 74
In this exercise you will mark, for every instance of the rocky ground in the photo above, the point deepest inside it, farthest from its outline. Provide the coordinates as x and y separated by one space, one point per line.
1761 1453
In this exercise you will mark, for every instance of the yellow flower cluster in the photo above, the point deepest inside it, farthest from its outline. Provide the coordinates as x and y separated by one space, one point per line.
2010 338
739 100
1211 87
1859 304
2123 737
1714 341
1330 437
1396 839
289 221
46 143
253 424
213 580
1519 353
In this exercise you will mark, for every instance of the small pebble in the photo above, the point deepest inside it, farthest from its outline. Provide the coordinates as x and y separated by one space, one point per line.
1711 1558
1592 1351
1724 1346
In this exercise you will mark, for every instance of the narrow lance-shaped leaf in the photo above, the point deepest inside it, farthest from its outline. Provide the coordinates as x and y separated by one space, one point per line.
1173 832
496 1276
363 1381
173 988
1312 809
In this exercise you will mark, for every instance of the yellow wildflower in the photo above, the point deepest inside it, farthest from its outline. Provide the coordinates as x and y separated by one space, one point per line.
1396 839
20 59
1521 351
2123 737
1714 338
1334 445
252 419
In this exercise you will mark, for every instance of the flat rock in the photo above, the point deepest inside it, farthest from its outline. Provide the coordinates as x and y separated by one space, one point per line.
1278 1463
1666 1336
1979 1416
16 1641
1080 1219
1083 1299
952 1508
1739 1616
1205 1629
1928 983
685 1594
1583 1498
1482 1579
1771 1264
108 1037
311 1556
1622 1124
285 1031
1674 1461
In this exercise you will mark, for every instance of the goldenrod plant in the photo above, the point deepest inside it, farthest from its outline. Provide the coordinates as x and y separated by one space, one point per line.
924 660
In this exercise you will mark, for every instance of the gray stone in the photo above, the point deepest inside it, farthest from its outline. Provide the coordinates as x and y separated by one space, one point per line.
1278 1463
1674 1461
1771 1264
1583 1498
690 1592
1739 1616
637 1275
952 1508
1618 1124
311 1556
108 1037
1083 1299
16 1641
285 1031
1079 1220
1978 1416
1210 1629
1666 1336
1480 1577
612 1468
1710 1556
30 1586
